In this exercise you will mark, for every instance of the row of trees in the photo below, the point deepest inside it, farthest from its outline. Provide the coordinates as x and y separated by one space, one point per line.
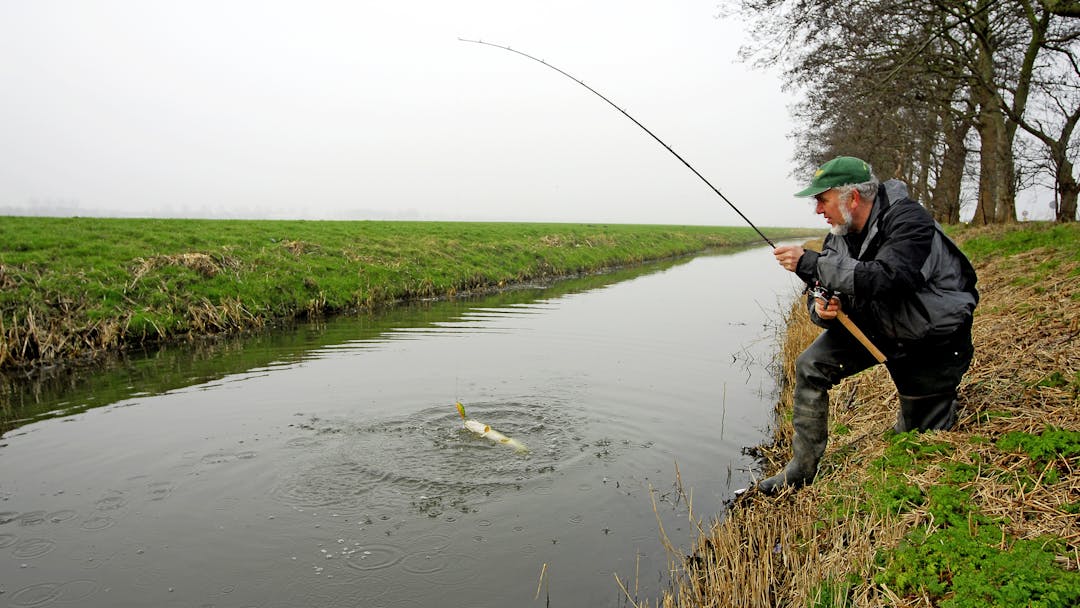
952 96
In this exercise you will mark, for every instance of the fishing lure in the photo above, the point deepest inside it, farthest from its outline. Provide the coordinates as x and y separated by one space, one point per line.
485 430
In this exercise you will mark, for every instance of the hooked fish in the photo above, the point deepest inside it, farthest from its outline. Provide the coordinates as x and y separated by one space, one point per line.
485 430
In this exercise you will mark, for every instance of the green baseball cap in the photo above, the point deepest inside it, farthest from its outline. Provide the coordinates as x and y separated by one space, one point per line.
840 171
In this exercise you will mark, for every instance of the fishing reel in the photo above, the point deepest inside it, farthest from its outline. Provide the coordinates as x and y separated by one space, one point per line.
819 292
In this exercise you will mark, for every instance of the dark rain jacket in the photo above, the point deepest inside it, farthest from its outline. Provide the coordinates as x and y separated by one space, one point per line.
900 279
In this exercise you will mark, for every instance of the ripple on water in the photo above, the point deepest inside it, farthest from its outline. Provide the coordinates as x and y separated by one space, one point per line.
159 490
33 547
425 563
449 571
97 522
431 543
112 501
78 590
303 442
62 515
32 518
41 594
332 481
219 457
375 557
429 458
6 540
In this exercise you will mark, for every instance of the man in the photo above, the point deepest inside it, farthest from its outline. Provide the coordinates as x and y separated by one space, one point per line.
896 275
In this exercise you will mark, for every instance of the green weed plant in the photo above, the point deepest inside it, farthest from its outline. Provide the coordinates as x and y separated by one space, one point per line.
962 558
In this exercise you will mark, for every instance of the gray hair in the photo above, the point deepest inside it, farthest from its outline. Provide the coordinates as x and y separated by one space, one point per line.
867 190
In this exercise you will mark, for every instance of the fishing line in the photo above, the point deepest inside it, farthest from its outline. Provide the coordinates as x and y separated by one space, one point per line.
643 127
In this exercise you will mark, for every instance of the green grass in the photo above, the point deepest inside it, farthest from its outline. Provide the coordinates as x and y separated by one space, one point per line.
69 286
1021 238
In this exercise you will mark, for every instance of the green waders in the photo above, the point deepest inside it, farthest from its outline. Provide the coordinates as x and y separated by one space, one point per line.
926 375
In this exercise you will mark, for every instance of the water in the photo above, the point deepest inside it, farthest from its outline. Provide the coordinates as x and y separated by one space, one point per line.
325 465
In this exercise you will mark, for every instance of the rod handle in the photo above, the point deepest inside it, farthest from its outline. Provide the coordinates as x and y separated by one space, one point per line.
860 336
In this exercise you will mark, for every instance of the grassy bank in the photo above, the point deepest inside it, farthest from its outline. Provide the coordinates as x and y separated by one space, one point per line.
74 287
985 515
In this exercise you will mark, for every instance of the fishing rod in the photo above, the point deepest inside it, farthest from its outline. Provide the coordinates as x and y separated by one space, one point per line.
643 127
844 319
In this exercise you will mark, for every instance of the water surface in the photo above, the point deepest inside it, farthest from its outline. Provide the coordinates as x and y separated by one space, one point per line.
325 465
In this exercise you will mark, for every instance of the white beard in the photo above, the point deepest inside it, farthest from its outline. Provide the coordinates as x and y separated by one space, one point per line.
842 229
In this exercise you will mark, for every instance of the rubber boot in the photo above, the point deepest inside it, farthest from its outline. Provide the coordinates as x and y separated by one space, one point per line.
811 434
926 413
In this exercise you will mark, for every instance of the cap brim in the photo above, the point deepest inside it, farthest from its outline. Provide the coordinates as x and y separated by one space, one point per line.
812 191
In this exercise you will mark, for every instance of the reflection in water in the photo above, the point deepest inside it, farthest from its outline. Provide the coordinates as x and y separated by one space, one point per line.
327 466
65 391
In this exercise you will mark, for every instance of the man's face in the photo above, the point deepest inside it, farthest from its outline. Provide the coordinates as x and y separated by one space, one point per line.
837 212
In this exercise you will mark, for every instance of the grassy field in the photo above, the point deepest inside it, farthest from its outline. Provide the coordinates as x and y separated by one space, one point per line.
985 515
74 287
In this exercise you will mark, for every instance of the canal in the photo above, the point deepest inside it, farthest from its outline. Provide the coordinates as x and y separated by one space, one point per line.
325 464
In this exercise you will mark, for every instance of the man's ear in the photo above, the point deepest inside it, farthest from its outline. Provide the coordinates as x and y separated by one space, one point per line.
856 199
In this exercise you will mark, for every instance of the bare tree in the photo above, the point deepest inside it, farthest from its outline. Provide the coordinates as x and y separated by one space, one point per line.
890 95
1056 87
902 83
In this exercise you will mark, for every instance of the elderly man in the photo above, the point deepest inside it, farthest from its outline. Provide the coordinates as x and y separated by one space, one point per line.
888 266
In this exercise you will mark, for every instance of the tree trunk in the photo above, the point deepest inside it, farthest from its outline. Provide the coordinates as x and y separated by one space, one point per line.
1067 192
945 202
995 179
993 175
922 191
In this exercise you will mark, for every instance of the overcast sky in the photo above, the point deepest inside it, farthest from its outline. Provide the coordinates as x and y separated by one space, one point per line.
371 110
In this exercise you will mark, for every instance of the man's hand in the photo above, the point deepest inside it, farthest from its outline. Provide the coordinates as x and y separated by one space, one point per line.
788 256
827 311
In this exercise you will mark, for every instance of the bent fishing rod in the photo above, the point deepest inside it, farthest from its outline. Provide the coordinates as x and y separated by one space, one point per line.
844 319
635 121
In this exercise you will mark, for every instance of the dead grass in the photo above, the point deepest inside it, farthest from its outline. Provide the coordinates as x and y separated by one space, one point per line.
779 551
204 264
28 338
299 248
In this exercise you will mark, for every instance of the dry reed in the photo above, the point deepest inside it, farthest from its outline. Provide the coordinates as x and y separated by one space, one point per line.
204 264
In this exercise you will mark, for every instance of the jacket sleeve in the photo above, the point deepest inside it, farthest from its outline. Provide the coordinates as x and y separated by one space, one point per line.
806 269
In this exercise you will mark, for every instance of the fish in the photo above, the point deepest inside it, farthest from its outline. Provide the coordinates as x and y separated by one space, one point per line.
485 430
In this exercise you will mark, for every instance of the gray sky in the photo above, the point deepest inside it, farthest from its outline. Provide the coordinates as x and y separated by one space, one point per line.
372 110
